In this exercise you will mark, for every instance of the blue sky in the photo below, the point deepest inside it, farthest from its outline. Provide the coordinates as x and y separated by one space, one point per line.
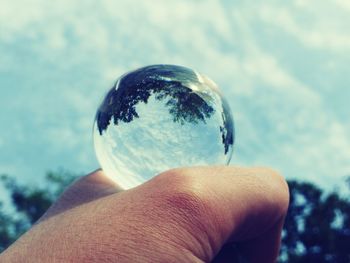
283 66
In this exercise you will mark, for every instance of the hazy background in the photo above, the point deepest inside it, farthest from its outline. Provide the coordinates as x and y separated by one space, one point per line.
283 66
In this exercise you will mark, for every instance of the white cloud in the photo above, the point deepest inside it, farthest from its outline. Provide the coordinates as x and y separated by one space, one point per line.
315 34
280 118
343 4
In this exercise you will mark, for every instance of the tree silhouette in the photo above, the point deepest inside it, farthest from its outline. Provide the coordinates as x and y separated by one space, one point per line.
317 227
169 85
166 83
29 204
228 129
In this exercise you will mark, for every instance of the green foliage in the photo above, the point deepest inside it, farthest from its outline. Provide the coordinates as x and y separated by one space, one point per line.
317 227
6 238
29 203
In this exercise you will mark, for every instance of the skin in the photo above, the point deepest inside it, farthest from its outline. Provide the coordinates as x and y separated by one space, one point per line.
182 215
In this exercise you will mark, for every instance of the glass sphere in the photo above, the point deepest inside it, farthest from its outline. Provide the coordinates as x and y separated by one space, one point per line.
161 117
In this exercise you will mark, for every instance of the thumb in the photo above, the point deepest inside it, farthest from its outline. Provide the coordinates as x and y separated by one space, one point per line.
208 207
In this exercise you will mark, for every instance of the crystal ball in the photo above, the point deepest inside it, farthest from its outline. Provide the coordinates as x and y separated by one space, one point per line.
161 117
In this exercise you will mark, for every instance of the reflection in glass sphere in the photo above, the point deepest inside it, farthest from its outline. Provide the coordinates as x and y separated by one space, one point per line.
161 117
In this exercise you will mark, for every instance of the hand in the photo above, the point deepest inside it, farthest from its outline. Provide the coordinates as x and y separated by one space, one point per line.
182 215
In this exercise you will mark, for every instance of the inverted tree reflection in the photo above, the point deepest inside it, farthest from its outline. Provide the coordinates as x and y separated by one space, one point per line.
169 85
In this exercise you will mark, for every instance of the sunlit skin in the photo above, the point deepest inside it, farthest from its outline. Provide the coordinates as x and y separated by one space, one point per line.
182 215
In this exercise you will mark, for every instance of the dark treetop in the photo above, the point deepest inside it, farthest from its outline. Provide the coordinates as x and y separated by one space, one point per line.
168 84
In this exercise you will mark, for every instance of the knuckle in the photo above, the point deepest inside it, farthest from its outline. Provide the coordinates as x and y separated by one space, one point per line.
183 195
187 207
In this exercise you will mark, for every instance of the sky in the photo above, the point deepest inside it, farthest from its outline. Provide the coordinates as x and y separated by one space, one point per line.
283 66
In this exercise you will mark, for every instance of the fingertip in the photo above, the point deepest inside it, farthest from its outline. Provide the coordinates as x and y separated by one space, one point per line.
100 181
85 189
